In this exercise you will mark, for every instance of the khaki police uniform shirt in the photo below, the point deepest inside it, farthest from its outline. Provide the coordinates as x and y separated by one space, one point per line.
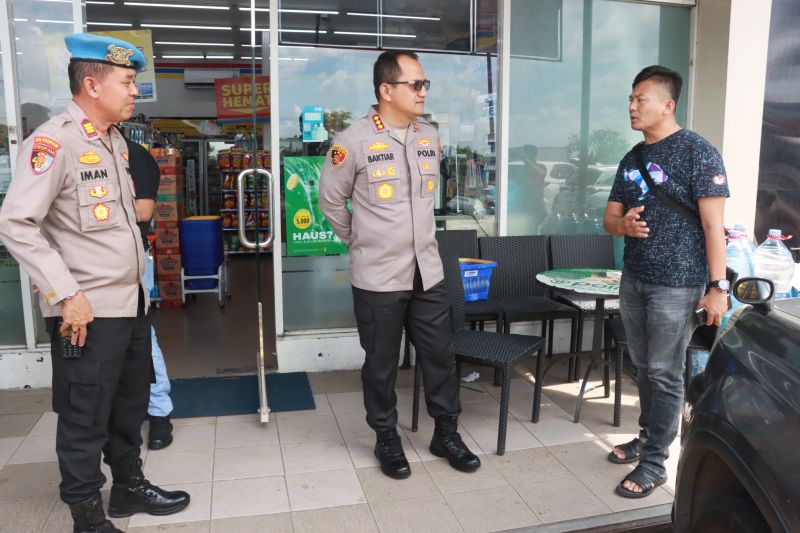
69 217
391 186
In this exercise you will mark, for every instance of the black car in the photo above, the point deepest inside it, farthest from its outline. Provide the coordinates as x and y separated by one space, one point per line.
739 467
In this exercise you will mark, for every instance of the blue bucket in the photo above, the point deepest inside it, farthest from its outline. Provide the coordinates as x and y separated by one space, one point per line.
476 274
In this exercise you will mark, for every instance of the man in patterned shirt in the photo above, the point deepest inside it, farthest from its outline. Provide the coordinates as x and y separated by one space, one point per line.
673 266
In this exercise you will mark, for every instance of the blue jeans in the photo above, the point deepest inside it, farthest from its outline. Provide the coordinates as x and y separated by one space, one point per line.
659 322
160 402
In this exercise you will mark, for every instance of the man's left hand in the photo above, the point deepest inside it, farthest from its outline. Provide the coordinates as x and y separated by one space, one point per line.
716 305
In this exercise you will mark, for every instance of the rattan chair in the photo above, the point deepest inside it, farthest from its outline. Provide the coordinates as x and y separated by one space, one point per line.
582 251
484 348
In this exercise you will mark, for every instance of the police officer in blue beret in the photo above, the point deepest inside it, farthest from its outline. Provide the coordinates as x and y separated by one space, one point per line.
70 220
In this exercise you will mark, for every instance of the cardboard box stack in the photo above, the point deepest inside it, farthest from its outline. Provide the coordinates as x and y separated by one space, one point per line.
169 212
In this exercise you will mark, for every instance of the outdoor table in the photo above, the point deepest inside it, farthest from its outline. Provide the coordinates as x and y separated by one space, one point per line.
598 282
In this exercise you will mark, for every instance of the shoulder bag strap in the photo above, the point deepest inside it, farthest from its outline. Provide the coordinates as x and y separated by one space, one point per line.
667 200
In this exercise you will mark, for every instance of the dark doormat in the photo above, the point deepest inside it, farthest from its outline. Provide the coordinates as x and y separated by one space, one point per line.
238 395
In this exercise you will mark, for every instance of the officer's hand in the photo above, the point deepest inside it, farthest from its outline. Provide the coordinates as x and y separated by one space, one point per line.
633 226
716 305
76 313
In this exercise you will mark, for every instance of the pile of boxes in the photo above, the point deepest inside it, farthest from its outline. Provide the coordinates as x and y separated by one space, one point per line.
169 212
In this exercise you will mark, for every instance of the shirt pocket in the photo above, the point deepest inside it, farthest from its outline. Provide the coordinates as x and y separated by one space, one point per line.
99 208
384 183
429 172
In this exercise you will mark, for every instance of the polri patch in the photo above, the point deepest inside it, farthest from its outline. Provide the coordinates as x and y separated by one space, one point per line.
43 154
338 154
89 158
89 128
423 141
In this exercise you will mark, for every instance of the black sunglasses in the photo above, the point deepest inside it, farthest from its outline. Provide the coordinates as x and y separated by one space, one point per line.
416 85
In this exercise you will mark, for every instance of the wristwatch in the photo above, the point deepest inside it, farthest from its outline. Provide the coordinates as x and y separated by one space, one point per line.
722 285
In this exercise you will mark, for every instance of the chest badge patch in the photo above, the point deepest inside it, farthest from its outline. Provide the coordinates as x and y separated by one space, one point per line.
98 191
124 155
426 166
719 179
391 170
385 191
89 128
101 212
378 173
338 155
423 141
378 146
43 154
431 185
89 158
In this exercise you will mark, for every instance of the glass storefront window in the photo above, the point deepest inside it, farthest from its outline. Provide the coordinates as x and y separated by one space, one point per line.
570 82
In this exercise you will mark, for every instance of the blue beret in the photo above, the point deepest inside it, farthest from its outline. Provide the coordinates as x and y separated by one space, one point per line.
103 49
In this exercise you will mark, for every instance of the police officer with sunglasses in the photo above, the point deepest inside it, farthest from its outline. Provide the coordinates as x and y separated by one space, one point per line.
387 165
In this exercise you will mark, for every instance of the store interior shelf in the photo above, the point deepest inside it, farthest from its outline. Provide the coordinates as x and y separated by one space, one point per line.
234 210
246 190
262 229
245 252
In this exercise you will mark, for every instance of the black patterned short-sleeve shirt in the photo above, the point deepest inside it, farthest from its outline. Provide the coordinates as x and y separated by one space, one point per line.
687 167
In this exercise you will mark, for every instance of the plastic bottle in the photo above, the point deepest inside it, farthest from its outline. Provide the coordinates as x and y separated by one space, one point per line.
773 261
739 258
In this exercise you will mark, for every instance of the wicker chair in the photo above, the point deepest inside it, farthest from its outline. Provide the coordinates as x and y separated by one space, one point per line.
582 251
484 348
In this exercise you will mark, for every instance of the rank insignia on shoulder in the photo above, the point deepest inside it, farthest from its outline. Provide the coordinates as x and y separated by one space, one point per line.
43 154
338 154
378 122
98 191
89 158
89 128
423 141
124 155
385 191
378 146
101 212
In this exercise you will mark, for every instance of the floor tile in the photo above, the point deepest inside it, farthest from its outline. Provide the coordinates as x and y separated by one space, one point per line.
17 425
347 519
199 509
249 497
604 483
517 438
496 509
561 499
554 431
520 467
25 401
190 437
471 392
248 417
171 468
31 479
26 514
354 425
477 414
308 429
336 381
46 425
35 449
247 462
583 458
521 406
8 446
362 451
272 523
315 456
378 487
322 408
450 480
186 527
331 488
238 434
415 515
193 421
347 402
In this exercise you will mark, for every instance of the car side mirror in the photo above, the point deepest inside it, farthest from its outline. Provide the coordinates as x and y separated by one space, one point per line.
754 291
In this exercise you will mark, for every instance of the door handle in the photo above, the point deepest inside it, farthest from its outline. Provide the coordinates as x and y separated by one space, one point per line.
240 181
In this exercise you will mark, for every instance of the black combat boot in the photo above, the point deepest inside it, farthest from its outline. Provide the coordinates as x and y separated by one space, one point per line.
446 442
389 451
132 493
88 517
160 435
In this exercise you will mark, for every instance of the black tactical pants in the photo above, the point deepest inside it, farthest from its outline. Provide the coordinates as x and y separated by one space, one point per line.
426 315
101 400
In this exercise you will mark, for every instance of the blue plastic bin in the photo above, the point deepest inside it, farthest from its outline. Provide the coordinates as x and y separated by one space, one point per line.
201 249
476 274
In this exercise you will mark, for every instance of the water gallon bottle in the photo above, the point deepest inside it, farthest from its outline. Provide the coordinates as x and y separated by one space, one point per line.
773 261
742 229
738 257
